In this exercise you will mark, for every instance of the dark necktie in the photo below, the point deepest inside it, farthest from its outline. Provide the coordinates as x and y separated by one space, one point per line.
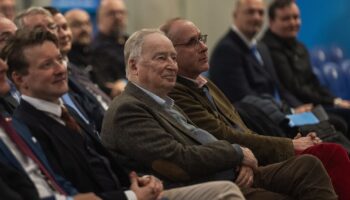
69 120
25 149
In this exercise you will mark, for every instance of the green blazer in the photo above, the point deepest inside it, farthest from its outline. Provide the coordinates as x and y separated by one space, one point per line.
138 128
193 101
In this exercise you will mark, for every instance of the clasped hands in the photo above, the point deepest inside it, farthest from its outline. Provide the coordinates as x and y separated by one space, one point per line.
146 187
301 143
245 176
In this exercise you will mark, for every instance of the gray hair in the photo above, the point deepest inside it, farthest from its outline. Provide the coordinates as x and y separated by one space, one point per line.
30 11
133 46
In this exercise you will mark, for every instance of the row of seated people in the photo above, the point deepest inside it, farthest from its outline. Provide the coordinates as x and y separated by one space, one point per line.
64 148
143 134
73 149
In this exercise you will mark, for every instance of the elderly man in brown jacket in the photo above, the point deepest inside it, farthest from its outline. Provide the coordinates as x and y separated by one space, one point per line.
143 126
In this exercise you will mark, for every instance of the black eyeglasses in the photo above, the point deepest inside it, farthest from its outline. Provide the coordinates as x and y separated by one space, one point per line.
194 41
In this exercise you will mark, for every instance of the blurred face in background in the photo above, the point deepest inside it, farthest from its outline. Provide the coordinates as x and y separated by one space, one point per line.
249 17
64 33
80 25
8 8
286 23
7 29
112 17
4 86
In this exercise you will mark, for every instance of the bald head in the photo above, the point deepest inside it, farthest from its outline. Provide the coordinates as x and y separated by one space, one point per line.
189 42
248 17
7 29
79 22
112 17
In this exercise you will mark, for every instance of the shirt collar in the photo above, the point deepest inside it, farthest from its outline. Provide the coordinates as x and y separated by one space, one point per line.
167 102
200 81
249 43
45 106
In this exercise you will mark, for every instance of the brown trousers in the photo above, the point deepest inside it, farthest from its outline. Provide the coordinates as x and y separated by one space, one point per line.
302 177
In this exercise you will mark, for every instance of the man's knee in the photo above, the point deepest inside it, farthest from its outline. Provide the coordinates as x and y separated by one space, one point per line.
227 190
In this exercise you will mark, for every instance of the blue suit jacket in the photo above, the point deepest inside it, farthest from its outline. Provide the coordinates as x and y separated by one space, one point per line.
63 150
235 70
7 158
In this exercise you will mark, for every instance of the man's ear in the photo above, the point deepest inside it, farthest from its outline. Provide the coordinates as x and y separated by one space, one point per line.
17 79
132 66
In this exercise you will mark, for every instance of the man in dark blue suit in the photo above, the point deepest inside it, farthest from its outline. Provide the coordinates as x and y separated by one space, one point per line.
83 95
240 66
25 172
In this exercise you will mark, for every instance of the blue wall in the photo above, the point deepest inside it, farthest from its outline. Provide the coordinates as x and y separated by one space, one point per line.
325 23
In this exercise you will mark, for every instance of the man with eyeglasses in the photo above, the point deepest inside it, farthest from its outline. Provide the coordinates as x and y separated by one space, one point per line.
210 110
146 129
84 99
107 47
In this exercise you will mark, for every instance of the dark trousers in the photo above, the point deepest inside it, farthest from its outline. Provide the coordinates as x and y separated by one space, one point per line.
302 177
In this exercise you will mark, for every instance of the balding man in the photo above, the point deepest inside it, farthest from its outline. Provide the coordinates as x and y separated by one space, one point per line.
108 46
79 22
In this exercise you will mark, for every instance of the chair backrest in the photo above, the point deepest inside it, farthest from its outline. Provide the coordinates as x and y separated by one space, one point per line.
335 80
318 57
318 74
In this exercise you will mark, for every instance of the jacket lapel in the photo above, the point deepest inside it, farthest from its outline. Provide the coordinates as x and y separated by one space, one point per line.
133 90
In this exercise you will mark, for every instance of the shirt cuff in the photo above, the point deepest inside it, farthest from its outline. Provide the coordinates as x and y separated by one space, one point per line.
130 195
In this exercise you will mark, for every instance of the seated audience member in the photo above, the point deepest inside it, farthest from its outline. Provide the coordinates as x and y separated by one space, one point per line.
107 47
292 61
209 109
71 147
79 22
9 101
7 29
24 169
143 126
79 96
239 58
8 9
65 41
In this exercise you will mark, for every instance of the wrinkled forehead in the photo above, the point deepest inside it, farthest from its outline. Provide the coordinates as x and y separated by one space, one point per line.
156 43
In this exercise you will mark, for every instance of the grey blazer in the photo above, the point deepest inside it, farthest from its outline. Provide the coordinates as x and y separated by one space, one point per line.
137 128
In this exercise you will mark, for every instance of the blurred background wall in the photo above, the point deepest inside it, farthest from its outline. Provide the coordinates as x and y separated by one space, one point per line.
325 22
